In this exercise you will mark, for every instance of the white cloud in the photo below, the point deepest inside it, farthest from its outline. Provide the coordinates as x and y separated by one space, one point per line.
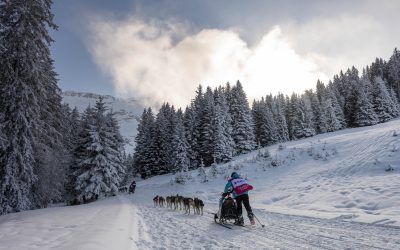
157 62
339 42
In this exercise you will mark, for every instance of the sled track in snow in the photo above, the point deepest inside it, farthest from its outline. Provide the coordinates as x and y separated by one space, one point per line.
366 151
170 229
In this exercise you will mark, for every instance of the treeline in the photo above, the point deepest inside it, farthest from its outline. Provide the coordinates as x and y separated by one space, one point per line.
48 152
216 126
219 124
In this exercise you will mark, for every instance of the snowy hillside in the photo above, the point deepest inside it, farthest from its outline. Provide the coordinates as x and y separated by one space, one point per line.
331 191
127 111
341 175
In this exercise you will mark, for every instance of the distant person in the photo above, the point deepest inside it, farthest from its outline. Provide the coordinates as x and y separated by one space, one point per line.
132 187
240 191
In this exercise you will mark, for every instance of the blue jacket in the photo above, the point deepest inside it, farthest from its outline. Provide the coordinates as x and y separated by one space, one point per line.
229 187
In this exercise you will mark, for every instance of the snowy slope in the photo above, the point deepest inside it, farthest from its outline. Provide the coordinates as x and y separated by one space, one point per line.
335 175
128 111
328 192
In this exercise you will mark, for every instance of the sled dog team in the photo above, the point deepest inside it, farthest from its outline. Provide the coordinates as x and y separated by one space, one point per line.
181 203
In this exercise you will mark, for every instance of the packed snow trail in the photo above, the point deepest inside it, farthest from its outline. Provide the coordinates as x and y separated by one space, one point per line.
132 222
172 229
106 224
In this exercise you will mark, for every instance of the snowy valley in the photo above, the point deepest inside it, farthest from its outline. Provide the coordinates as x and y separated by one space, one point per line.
338 190
84 171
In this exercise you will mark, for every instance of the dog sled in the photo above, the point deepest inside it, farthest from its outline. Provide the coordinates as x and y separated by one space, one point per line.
227 211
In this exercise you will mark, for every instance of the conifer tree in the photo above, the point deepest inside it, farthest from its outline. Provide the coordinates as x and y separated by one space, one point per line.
264 126
381 100
197 126
242 123
319 119
305 105
144 158
332 95
206 129
189 122
180 147
163 131
99 159
280 118
330 112
222 141
393 68
202 174
395 103
300 122
130 170
352 88
364 114
29 101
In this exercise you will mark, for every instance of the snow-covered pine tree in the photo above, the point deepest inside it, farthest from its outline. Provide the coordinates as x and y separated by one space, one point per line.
189 122
54 166
242 122
377 69
264 125
130 170
319 118
332 122
202 175
322 119
393 71
395 103
163 130
223 144
206 143
332 95
116 149
257 121
305 105
179 146
72 128
196 123
29 100
214 170
100 165
351 88
144 158
300 125
280 118
337 86
272 106
364 114
79 152
51 153
381 100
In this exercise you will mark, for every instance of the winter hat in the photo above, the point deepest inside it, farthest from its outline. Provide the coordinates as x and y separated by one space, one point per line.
234 175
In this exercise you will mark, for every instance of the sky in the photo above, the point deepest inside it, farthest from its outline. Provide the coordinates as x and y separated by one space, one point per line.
159 50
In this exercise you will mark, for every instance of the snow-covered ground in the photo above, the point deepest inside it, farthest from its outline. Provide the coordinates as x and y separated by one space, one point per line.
328 192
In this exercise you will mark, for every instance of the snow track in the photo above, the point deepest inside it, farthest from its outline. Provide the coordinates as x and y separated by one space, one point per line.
170 229
131 222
